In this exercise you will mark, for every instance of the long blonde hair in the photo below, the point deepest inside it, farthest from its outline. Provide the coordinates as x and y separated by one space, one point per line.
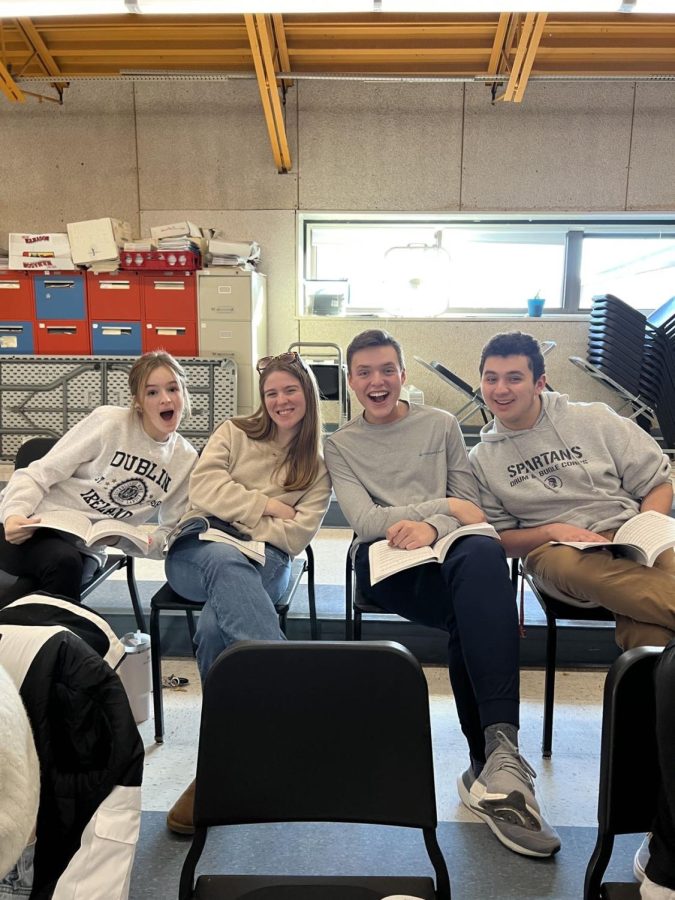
301 459
145 365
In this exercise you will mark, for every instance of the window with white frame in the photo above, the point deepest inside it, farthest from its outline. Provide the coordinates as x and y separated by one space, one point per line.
421 268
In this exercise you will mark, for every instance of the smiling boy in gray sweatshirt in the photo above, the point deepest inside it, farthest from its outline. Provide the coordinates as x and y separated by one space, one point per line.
551 470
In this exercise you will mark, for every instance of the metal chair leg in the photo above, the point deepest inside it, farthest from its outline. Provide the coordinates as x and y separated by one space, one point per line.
311 594
156 663
349 588
549 684
133 593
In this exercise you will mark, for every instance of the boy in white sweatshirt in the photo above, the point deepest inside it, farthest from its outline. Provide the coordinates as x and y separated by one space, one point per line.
551 470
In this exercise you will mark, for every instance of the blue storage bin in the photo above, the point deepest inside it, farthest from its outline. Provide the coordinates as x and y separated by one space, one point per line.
116 338
60 296
16 338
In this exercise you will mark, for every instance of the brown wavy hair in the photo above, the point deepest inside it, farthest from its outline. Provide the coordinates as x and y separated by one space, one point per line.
301 460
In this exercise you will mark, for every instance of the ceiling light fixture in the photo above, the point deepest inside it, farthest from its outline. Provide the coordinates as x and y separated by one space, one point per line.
192 7
14 9
24 8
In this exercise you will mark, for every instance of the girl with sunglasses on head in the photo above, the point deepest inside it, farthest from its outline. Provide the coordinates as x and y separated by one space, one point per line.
125 464
265 475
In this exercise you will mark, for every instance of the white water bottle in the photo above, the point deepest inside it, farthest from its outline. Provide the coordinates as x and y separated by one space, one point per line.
136 674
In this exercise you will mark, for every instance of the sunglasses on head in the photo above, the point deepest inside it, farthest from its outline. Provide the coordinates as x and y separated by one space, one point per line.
289 357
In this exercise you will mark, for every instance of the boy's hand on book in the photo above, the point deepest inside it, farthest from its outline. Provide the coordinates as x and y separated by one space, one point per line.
15 533
559 531
409 535
466 512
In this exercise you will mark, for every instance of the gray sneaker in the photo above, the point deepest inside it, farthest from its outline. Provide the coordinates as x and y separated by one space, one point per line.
503 796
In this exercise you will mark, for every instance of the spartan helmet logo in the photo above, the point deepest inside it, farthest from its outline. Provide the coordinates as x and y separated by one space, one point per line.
553 482
129 493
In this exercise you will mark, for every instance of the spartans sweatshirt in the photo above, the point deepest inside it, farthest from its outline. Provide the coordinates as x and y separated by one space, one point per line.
581 464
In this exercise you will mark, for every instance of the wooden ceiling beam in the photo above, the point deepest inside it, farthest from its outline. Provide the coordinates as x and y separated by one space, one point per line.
9 87
282 46
259 28
532 48
498 44
36 44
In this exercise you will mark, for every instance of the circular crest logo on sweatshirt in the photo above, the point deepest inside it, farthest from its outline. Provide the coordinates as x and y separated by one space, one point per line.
129 493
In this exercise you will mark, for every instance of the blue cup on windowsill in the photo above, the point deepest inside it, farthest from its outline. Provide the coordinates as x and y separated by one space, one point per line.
535 307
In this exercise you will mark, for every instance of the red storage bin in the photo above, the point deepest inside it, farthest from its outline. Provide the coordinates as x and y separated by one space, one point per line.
16 296
180 340
114 297
159 260
61 338
169 297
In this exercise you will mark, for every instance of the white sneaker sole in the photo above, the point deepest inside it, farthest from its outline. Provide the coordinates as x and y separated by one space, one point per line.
471 802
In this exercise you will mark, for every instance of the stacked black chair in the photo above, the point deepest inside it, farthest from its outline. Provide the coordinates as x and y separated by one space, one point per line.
636 356
661 328
304 702
616 340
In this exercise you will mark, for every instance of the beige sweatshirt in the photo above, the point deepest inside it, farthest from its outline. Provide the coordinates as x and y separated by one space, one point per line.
235 477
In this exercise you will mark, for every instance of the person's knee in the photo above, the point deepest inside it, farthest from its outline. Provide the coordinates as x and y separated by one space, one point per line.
479 552
65 569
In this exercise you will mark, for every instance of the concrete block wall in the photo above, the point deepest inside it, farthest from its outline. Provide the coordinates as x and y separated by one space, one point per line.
157 152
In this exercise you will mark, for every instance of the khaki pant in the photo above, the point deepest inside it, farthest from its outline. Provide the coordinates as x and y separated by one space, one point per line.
641 598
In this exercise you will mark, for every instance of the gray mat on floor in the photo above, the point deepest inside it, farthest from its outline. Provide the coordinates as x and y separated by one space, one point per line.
480 868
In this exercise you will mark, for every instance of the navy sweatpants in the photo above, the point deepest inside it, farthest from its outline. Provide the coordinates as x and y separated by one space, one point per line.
469 596
50 560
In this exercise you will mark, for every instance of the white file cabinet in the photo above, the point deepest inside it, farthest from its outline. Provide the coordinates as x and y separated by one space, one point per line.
233 322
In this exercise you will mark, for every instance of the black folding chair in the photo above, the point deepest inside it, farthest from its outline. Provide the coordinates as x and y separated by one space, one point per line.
167 600
556 607
305 703
12 587
629 766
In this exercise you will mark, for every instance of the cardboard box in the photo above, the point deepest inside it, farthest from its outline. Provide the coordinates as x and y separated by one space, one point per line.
177 229
97 239
39 251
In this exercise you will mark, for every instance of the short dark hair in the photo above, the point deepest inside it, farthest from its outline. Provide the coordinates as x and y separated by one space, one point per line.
515 343
373 337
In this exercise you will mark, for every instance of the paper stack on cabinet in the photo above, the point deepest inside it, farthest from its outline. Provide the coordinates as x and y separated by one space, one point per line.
96 243
179 236
38 252
244 254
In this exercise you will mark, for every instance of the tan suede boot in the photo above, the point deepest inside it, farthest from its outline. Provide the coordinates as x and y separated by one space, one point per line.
179 818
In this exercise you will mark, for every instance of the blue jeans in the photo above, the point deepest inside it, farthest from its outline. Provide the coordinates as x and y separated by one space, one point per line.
238 595
19 882
469 596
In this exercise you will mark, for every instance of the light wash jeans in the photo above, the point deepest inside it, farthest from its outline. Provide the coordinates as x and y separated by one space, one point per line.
19 882
238 594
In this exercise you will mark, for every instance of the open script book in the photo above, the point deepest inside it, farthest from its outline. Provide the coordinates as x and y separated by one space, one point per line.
642 538
386 560
91 533
211 528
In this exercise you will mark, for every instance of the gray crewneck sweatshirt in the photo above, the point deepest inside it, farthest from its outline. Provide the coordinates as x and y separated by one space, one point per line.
581 464
106 466
404 470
